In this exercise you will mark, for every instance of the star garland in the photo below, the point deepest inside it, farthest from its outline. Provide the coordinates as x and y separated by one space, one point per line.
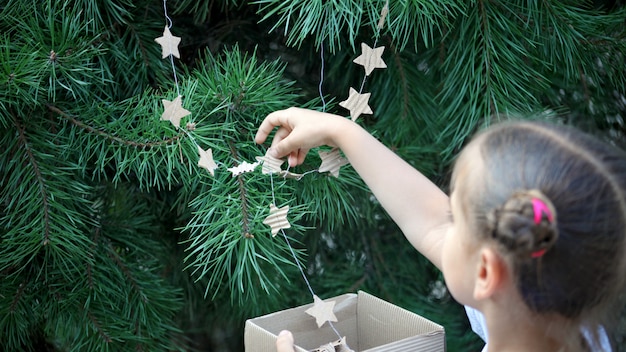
357 103
331 161
168 42
173 110
322 311
370 59
206 160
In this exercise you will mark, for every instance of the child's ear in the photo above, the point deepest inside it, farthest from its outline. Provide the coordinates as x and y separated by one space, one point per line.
491 274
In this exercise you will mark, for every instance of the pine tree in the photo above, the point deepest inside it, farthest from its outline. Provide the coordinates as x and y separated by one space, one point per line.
112 237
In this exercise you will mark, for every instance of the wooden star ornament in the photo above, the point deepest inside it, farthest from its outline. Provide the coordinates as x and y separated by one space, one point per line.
332 161
322 311
277 219
206 160
370 58
169 43
271 165
357 104
174 111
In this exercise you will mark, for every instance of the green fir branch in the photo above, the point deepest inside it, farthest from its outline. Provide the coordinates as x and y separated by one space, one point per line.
326 21
19 318
111 137
38 215
416 21
125 287
19 89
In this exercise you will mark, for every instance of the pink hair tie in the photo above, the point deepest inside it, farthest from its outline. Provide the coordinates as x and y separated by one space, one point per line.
539 253
539 209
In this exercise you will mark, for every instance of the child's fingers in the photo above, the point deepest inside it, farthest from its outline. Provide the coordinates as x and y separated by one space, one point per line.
280 134
286 142
274 119
295 135
301 155
297 157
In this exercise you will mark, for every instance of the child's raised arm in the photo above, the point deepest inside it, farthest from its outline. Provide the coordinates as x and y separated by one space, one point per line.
420 208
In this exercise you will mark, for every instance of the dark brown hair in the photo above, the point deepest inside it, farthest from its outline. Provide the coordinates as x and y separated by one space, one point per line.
574 264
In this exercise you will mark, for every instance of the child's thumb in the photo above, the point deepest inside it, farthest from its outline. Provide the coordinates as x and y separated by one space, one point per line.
284 342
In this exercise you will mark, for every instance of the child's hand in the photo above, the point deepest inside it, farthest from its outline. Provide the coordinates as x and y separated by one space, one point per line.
299 130
284 342
417 205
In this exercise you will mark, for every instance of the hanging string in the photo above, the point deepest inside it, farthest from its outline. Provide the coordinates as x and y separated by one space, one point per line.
169 25
298 177
322 76
330 323
174 71
298 264
167 18
293 253
321 94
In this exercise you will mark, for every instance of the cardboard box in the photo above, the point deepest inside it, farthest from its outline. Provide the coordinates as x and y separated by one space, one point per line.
368 323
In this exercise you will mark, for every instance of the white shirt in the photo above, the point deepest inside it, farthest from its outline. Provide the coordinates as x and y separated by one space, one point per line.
479 326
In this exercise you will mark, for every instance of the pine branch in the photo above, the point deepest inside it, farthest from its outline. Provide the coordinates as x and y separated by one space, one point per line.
35 193
132 143
98 327
127 288
17 297
486 42
244 208
498 81
126 141
112 253
23 143
94 242
326 21
418 21
332 23
20 90
132 60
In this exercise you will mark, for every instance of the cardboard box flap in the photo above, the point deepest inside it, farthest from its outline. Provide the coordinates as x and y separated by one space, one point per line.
430 342
382 323
258 339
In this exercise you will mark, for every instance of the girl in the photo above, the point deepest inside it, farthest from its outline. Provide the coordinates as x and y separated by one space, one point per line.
531 239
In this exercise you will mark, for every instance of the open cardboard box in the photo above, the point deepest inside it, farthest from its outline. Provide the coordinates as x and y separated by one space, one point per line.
368 323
